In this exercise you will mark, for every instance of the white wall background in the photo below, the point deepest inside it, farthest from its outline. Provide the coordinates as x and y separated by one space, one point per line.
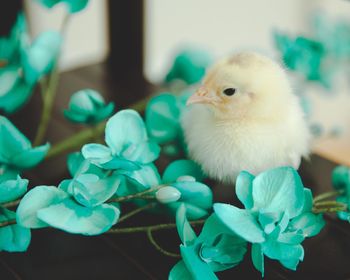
220 26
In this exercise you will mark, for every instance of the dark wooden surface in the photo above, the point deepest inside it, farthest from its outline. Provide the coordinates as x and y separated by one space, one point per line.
54 254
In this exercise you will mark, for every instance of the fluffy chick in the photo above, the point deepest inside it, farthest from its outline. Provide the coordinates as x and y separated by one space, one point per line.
245 117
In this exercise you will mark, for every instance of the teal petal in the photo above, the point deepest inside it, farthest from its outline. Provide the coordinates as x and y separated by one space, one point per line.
11 139
125 128
119 163
258 258
74 218
240 222
146 177
308 223
97 153
308 200
76 5
281 251
244 189
145 152
42 55
343 215
198 199
13 238
8 79
223 251
291 238
162 118
91 191
30 158
179 272
38 198
12 189
184 229
199 270
341 178
16 98
182 167
75 117
77 164
279 190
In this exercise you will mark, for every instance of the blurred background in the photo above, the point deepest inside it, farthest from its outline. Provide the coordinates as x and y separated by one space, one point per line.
220 28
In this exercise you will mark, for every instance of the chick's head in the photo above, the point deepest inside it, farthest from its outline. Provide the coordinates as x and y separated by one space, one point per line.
245 85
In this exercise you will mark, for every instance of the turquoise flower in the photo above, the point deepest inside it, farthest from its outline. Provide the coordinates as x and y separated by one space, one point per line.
189 66
13 238
77 206
16 150
128 146
14 91
215 249
73 6
179 186
12 187
341 182
22 65
41 56
87 106
305 56
277 218
162 118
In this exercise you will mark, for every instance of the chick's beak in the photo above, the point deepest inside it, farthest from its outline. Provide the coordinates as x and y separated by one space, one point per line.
203 96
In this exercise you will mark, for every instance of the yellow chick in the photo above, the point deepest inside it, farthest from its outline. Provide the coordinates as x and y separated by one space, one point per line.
245 116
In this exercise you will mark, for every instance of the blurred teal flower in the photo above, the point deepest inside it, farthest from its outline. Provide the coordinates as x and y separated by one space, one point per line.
341 182
16 150
215 249
14 90
41 56
88 106
180 187
128 146
75 207
12 187
73 6
306 56
13 238
189 66
162 118
277 217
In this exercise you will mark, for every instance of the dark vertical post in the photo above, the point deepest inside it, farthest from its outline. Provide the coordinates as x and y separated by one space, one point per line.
126 23
8 15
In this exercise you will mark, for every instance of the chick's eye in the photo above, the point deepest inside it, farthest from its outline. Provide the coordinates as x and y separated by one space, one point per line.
229 91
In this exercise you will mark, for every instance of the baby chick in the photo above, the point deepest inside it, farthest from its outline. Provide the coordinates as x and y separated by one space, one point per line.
245 117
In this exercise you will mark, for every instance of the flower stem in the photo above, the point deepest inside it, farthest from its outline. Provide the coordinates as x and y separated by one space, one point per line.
326 195
7 223
152 228
11 203
49 95
158 247
88 134
141 195
328 206
136 211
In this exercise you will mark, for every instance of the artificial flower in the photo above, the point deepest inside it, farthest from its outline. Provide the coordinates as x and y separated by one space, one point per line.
180 187
341 182
88 106
277 216
16 150
12 187
50 206
189 66
13 238
73 6
128 146
305 56
215 249
41 56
